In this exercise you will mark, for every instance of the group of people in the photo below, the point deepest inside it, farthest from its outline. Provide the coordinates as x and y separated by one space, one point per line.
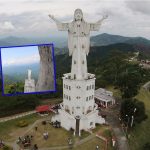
25 141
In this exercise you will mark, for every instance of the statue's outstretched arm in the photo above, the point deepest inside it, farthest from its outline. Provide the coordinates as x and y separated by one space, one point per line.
101 20
54 19
60 26
96 26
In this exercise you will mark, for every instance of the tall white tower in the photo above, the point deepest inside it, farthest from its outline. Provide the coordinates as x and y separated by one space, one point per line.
78 109
29 83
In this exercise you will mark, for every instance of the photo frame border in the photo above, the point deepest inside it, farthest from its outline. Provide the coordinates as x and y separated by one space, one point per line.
22 93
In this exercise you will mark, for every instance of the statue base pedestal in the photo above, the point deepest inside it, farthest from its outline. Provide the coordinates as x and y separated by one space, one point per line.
86 122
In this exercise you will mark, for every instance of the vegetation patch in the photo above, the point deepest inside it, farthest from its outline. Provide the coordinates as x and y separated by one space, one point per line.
9 131
22 123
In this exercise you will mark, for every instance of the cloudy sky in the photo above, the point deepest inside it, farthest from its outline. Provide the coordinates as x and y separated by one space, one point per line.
30 17
19 55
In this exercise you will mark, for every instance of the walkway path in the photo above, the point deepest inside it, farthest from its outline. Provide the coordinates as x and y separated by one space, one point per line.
75 145
16 116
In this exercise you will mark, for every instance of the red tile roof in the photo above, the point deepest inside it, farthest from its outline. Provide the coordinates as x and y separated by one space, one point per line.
43 108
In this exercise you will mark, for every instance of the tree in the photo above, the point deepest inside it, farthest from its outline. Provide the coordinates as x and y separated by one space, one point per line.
16 104
16 88
132 107
129 81
113 66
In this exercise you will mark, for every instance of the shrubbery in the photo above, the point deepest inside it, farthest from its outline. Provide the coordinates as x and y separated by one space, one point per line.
22 123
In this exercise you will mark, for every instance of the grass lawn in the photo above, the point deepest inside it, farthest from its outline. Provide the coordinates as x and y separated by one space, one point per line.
57 136
91 145
10 131
141 133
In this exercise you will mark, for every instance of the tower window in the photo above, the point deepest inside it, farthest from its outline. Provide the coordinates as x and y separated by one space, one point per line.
78 97
86 98
91 123
87 88
78 107
92 86
74 62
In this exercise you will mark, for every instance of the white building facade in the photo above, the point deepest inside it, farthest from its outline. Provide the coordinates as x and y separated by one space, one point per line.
104 98
78 110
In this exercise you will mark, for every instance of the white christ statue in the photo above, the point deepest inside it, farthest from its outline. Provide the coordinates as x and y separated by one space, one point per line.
29 74
78 41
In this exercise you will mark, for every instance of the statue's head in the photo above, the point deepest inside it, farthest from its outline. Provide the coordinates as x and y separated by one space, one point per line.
78 15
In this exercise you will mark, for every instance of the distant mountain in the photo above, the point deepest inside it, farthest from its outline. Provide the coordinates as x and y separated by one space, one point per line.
4 43
60 44
15 41
19 72
139 43
107 39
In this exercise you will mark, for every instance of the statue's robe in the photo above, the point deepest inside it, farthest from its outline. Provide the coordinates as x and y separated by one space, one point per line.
79 45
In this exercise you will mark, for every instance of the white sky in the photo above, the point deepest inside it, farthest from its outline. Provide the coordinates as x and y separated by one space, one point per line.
19 55
30 17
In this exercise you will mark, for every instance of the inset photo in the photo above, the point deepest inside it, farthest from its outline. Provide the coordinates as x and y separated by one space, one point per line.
28 69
